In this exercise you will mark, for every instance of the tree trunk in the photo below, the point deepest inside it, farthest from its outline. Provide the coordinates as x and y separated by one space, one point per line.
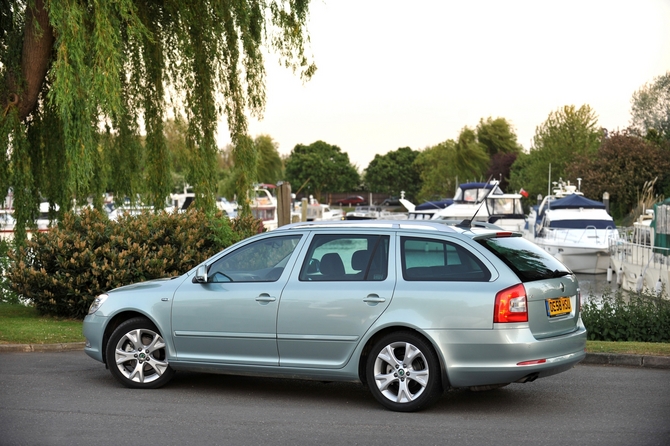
35 59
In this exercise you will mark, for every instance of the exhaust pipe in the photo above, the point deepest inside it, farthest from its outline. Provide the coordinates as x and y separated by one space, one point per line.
529 378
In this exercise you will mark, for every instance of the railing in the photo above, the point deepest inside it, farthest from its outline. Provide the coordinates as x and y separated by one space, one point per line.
640 254
610 233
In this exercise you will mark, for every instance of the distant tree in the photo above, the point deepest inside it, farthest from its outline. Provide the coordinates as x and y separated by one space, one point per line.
449 163
470 159
624 162
499 169
394 172
650 109
270 165
566 133
497 136
433 165
320 167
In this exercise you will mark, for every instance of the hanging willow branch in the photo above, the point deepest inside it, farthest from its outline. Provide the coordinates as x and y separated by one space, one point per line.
91 81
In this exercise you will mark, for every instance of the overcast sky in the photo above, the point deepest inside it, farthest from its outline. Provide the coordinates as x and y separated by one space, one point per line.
407 73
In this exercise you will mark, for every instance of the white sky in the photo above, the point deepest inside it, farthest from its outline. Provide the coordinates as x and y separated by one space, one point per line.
413 73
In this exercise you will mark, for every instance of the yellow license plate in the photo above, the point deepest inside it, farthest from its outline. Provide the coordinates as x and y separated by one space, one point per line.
557 307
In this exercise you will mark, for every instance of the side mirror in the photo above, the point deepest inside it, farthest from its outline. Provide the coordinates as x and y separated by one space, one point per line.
201 274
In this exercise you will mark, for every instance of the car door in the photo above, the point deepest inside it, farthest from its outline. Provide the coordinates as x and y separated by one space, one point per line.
342 285
232 318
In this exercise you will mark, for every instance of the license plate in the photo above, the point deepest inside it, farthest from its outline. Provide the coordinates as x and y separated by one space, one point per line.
557 307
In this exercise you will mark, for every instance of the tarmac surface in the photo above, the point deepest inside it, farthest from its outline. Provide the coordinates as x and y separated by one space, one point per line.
650 361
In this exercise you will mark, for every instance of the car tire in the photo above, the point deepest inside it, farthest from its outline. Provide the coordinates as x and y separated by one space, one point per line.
136 355
400 382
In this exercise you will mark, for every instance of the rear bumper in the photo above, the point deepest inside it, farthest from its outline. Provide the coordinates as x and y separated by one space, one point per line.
486 357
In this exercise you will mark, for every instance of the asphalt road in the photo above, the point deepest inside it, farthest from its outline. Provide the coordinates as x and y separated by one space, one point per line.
67 398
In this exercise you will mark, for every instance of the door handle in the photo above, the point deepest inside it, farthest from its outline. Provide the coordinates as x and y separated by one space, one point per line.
374 299
265 298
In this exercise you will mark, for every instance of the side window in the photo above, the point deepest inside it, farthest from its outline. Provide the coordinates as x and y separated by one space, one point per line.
439 260
346 258
260 261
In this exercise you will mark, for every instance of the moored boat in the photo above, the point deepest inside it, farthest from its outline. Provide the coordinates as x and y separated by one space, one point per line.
574 229
487 203
264 207
641 256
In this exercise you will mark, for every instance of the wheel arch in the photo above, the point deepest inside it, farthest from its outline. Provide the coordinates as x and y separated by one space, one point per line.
119 319
365 352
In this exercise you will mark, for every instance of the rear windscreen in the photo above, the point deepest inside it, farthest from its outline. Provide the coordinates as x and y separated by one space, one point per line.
525 258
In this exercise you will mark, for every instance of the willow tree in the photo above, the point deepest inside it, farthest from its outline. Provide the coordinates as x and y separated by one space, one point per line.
72 70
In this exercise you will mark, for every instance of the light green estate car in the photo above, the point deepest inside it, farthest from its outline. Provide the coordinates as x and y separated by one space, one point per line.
408 308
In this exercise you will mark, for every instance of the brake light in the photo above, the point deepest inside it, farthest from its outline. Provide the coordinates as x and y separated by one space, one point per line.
511 305
503 234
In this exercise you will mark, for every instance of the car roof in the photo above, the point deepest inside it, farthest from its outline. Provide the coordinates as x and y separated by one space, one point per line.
429 226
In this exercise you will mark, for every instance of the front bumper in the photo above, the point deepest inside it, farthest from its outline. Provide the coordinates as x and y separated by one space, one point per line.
94 330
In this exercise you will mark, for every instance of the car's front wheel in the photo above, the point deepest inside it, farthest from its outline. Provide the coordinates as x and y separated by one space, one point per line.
403 373
136 355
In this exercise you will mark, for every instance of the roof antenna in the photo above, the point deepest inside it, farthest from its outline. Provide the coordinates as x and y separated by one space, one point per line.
467 223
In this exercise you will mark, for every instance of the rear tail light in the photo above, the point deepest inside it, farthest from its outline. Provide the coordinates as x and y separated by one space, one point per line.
511 305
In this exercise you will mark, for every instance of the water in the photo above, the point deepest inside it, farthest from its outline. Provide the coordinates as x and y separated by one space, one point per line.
595 284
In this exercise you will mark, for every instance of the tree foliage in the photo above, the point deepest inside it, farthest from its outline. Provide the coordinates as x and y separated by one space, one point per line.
650 109
269 165
68 66
497 136
567 132
394 172
500 168
449 163
624 162
320 167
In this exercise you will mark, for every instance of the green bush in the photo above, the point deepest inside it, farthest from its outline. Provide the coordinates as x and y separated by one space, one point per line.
61 271
6 294
629 317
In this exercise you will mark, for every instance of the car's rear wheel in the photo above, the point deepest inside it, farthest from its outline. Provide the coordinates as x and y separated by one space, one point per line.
136 355
403 373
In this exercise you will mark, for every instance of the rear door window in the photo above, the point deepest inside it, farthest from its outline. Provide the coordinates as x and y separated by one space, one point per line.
425 259
526 259
338 257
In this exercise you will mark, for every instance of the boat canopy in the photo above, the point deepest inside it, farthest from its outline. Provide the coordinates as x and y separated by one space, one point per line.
428 205
572 201
575 201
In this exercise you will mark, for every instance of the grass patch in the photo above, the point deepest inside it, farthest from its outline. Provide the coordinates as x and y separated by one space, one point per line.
633 348
24 325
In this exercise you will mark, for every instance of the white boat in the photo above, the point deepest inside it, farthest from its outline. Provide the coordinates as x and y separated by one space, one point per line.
641 256
574 229
8 223
181 202
369 213
485 202
426 210
264 207
323 212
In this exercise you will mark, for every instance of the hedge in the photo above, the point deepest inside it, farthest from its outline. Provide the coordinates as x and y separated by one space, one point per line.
623 316
61 271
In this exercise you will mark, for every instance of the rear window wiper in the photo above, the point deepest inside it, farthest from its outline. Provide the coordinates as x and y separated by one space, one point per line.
558 273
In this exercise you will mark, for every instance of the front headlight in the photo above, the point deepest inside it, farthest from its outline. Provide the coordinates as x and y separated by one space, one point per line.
97 303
